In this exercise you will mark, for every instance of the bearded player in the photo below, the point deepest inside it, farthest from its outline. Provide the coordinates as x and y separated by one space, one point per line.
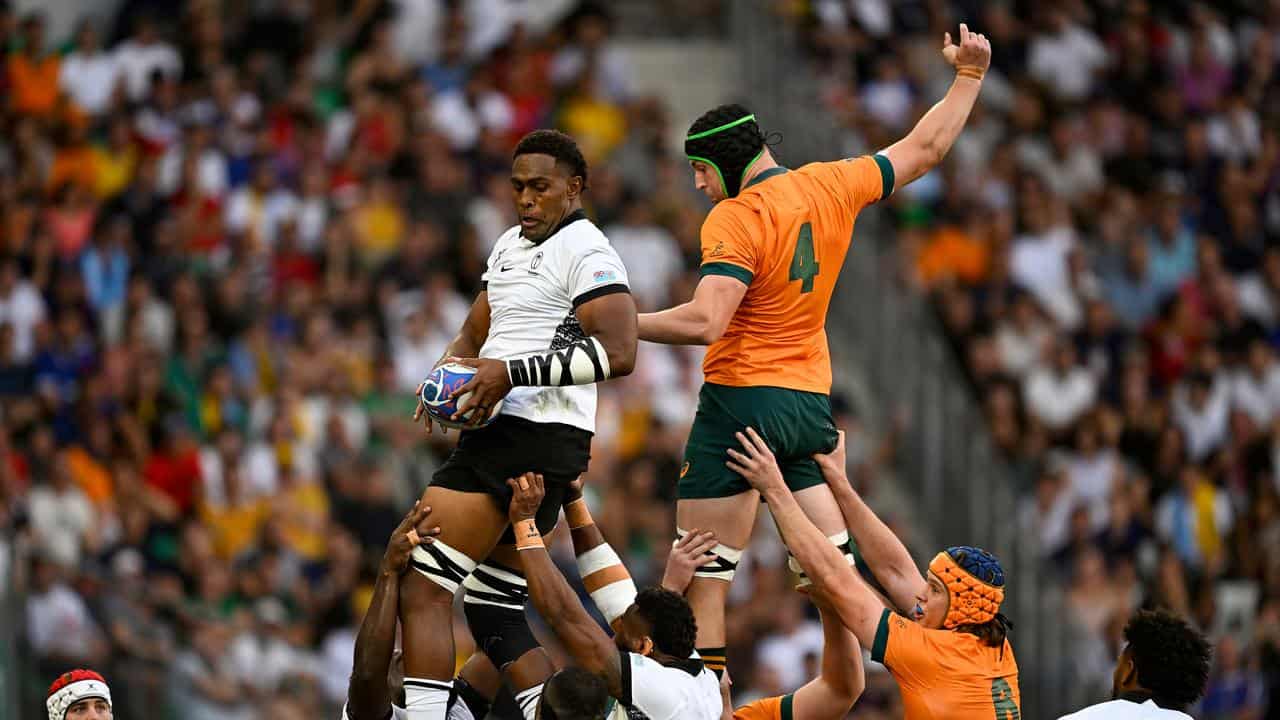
951 655
554 317
772 248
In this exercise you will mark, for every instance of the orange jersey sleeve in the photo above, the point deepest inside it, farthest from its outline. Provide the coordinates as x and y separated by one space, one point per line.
774 708
856 182
947 675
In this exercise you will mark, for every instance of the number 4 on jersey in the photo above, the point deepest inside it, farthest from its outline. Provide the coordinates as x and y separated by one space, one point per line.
804 266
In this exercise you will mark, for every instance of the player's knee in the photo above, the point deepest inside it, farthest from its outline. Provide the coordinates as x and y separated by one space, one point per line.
444 567
494 606
722 568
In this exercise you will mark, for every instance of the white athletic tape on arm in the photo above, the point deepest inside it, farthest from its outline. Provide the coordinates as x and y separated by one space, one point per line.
582 362
607 581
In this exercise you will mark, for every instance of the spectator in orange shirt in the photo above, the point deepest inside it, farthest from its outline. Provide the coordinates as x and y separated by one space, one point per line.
955 251
33 74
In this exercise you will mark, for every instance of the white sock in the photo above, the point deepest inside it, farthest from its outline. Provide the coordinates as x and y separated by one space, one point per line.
528 701
427 699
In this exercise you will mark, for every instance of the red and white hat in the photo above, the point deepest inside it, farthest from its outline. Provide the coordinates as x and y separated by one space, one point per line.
72 687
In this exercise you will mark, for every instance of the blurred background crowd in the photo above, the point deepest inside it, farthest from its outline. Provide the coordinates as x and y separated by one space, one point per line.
235 235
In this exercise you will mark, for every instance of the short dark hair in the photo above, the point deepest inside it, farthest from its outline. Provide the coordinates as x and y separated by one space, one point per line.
556 144
1172 657
670 619
574 694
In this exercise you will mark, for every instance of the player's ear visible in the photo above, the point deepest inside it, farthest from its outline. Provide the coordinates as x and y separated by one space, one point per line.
575 186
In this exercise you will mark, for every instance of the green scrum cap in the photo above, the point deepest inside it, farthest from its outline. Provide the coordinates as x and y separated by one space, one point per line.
728 139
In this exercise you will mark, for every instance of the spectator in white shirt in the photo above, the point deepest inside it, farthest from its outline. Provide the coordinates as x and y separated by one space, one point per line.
1022 337
257 211
1092 469
648 248
417 349
1255 388
1201 409
1162 670
60 628
142 56
794 637
1059 392
62 517
21 307
1067 58
1259 292
1047 516
591 50
89 75
462 114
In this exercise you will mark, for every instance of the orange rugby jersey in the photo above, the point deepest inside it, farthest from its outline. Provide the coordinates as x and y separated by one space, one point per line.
785 235
947 675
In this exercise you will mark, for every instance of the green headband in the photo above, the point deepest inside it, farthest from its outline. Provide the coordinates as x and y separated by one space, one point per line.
726 126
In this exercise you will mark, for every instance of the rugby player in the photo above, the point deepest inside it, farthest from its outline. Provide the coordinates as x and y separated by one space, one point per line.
1162 670
649 666
772 248
952 659
554 317
79 695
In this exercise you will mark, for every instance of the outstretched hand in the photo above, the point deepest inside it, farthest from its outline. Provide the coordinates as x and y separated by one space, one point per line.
974 49
756 463
526 497
414 530
687 555
833 464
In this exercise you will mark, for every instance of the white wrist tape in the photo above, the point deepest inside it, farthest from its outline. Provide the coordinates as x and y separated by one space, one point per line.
607 581
581 362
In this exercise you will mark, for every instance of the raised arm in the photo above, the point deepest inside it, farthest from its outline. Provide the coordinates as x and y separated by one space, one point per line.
856 603
841 679
887 557
368 695
603 574
702 320
932 137
556 602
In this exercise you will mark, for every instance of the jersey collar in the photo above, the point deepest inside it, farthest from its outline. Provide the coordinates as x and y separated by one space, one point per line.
766 175
569 219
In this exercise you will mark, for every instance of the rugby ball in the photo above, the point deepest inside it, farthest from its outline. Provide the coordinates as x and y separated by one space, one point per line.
443 382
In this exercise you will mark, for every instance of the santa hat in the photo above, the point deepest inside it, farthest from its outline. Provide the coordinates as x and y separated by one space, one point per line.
72 687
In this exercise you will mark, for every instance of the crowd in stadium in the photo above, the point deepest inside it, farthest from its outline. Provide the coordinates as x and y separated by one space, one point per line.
234 242
1103 252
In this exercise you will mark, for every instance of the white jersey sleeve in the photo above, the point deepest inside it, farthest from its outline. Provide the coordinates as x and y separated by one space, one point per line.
594 269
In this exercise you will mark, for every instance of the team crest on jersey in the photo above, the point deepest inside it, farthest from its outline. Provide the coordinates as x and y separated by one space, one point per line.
537 260
718 250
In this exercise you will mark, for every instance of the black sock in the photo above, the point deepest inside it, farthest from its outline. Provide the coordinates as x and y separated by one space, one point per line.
475 702
714 659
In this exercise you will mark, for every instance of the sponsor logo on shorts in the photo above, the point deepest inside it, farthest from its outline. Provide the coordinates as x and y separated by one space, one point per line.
684 470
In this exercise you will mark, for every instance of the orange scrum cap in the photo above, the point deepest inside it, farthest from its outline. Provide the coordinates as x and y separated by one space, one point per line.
974 581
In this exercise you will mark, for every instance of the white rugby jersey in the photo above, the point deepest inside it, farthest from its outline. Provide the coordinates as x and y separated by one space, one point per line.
653 691
1126 710
533 292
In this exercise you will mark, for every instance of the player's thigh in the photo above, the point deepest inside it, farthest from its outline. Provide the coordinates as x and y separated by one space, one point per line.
815 498
730 518
470 522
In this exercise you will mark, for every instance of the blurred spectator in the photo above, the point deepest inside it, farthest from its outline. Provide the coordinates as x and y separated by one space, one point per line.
1195 518
1059 391
89 74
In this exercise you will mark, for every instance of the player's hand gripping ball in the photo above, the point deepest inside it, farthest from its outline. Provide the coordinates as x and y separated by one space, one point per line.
443 382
